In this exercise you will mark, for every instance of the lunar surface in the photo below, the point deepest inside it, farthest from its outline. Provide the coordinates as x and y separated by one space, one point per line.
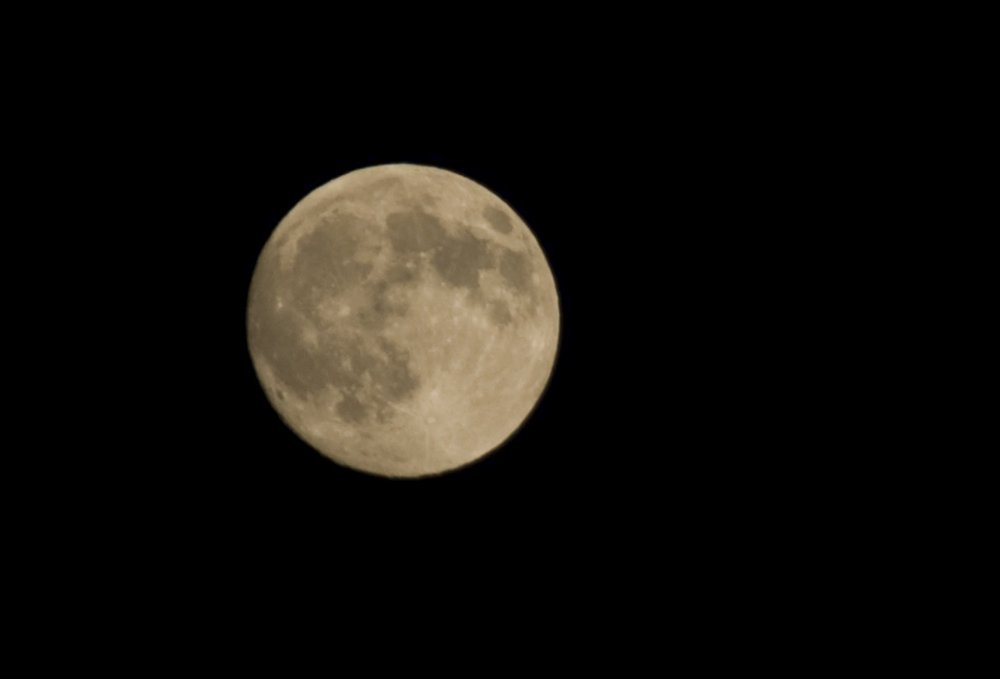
403 320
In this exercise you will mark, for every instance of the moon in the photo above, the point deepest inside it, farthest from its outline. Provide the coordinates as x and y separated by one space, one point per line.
403 320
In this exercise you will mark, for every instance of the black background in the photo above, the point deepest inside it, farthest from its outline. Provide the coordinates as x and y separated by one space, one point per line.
669 444
708 461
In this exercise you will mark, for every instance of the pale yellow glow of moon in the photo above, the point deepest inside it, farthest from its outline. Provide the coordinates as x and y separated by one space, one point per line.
403 320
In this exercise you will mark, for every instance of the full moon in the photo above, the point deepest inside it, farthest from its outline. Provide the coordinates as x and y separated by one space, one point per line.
403 320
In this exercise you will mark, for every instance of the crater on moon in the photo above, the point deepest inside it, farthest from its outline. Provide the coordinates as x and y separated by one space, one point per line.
401 323
498 219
